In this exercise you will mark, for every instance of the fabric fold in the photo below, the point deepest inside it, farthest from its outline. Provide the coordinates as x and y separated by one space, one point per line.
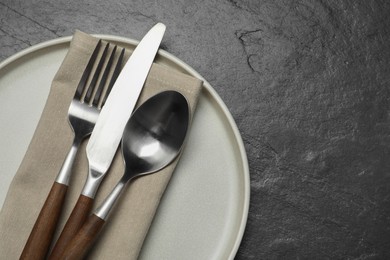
124 233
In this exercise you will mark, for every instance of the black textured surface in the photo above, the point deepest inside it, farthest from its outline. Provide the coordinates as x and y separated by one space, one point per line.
308 83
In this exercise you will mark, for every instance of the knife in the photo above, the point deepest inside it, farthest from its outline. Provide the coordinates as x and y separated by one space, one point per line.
106 136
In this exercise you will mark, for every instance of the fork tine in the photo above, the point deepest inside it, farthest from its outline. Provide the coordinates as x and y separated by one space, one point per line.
117 70
95 77
87 72
103 80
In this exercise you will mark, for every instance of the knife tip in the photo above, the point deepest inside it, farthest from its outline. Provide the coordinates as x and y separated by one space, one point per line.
160 26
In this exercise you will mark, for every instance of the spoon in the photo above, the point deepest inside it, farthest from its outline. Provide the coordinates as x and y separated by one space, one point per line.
152 139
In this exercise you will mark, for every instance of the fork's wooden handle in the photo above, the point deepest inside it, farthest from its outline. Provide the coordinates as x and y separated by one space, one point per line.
82 242
40 238
72 226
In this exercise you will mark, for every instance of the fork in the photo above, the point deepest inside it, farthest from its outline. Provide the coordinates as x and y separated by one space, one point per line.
89 97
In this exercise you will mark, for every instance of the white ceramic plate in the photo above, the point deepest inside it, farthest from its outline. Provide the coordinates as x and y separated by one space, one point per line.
211 181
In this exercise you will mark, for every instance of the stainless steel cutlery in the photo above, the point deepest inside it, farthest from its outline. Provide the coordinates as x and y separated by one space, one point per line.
101 109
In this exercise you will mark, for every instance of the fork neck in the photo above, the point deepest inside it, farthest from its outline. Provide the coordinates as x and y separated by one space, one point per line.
65 172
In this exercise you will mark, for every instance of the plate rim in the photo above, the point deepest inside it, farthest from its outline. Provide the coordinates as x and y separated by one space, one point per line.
192 72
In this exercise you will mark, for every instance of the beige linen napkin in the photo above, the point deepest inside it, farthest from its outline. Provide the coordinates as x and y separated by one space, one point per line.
124 233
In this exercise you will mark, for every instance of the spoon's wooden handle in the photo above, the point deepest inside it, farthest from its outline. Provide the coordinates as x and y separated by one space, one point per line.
82 242
40 238
75 222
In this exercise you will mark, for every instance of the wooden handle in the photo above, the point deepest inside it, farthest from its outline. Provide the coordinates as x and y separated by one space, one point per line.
73 225
42 233
82 242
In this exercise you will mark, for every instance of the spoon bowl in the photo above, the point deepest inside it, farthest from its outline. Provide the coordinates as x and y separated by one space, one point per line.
155 133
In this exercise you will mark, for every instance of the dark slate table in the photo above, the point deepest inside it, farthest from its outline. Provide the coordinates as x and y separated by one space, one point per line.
308 83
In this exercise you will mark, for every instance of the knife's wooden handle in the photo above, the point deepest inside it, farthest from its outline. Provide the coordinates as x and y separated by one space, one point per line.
40 238
82 242
76 220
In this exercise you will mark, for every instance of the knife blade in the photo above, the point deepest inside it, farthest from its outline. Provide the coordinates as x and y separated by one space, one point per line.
109 127
108 130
